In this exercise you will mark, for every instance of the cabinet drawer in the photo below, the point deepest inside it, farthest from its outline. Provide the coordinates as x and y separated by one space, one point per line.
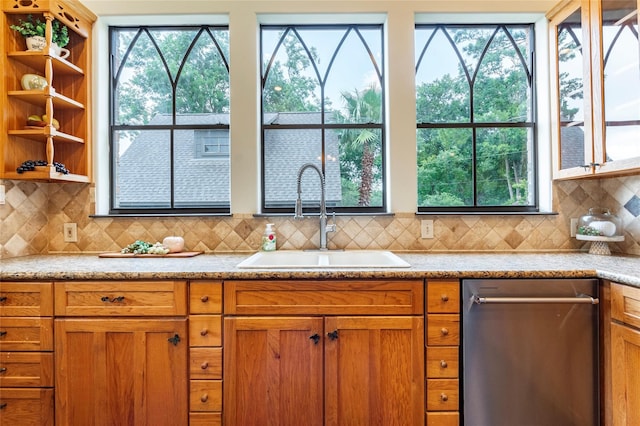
442 362
205 395
443 297
205 330
205 297
625 304
373 297
442 395
205 363
26 369
26 334
26 407
443 419
205 419
443 330
26 299
121 298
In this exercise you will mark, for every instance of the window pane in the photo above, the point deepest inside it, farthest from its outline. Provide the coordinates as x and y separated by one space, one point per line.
142 157
201 180
445 167
504 166
360 166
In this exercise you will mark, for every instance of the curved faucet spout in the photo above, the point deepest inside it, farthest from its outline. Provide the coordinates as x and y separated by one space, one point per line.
324 228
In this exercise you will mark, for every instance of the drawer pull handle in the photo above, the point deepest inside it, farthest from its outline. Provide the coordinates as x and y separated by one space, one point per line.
204 397
333 335
315 338
204 365
3 299
175 339
204 332
3 406
444 397
204 299
3 333
444 331
444 298
3 369
117 299
443 364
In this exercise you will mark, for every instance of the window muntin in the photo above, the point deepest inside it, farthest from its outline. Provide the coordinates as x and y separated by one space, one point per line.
475 118
168 84
323 102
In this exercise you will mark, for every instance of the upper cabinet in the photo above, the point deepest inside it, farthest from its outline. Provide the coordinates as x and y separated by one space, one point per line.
596 87
46 92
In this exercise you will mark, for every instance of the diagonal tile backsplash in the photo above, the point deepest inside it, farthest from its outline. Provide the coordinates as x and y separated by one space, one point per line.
32 221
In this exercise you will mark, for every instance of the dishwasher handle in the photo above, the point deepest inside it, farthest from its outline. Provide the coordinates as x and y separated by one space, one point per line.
580 299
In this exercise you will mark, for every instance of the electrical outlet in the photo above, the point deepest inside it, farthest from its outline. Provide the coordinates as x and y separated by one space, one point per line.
2 194
574 226
426 228
70 233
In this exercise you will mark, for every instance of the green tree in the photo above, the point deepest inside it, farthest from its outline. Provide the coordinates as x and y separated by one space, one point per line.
361 106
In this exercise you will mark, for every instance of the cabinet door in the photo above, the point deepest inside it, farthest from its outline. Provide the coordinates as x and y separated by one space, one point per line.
374 371
121 372
625 380
618 84
273 371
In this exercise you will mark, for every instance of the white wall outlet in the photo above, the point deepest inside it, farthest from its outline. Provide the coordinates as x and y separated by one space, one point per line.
2 194
70 233
426 228
574 226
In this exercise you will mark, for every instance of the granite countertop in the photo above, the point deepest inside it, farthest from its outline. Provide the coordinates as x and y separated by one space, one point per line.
622 269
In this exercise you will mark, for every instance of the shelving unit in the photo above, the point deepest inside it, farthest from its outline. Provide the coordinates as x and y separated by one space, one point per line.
67 97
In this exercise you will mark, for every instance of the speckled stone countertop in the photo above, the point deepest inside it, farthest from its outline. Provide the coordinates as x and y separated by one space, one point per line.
622 269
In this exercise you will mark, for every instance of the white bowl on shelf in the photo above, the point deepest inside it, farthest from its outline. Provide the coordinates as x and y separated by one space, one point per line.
33 82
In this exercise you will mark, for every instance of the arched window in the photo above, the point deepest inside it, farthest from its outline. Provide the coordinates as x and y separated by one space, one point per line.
475 118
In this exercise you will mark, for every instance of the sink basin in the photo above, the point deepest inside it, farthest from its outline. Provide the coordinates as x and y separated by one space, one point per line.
324 259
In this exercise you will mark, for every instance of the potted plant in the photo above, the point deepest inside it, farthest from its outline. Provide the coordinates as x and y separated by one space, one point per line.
33 30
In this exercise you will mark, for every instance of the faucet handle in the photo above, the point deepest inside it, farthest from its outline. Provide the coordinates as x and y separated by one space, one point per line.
332 227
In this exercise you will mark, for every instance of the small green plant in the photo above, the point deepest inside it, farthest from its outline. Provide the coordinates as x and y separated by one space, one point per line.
35 27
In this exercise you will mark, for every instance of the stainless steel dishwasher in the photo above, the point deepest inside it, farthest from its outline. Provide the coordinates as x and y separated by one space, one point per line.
530 352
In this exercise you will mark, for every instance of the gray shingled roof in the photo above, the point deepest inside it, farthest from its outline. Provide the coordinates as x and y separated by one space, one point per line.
207 180
571 147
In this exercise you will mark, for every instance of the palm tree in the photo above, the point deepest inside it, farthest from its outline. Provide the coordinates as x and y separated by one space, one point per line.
363 107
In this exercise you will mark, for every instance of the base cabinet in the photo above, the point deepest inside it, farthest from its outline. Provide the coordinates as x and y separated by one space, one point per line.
317 364
625 355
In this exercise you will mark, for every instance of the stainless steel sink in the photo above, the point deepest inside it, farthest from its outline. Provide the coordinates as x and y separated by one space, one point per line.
324 259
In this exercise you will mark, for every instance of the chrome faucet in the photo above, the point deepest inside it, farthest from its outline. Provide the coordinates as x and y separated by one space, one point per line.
324 228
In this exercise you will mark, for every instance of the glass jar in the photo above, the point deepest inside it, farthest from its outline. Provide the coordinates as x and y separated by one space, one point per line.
599 222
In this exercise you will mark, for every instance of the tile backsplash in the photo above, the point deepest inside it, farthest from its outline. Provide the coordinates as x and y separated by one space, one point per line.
31 222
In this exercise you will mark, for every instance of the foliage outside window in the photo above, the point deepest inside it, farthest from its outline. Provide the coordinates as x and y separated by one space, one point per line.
475 118
323 103
169 87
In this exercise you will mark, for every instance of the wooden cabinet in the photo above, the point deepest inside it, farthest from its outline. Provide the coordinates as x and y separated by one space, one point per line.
625 354
66 98
121 353
595 65
442 360
323 352
26 354
205 353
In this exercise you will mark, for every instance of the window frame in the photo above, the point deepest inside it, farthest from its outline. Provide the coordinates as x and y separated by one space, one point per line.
475 126
323 126
171 128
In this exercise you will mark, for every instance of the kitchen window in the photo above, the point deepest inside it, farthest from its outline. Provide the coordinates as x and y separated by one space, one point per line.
323 103
476 124
169 120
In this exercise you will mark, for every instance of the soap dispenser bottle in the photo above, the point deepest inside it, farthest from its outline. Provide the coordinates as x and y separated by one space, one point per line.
269 238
